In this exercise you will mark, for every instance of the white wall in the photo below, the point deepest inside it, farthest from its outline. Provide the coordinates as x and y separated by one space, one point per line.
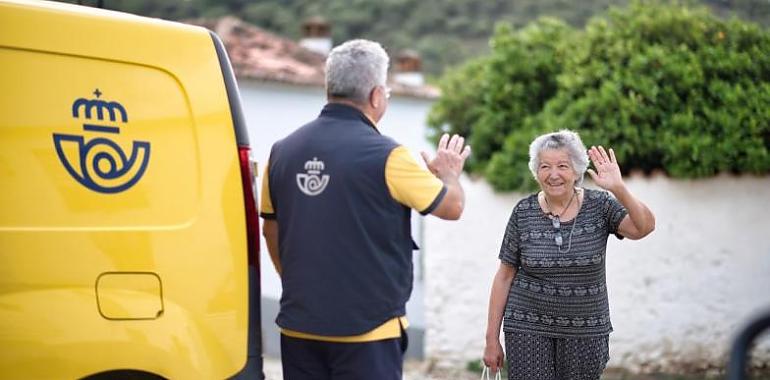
676 297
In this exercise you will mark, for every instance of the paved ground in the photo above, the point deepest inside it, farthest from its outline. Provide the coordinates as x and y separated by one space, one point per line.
413 370
417 370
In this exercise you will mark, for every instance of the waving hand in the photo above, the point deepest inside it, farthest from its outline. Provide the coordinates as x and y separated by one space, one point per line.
607 174
451 154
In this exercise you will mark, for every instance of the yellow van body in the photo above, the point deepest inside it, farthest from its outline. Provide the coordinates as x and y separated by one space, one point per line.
123 232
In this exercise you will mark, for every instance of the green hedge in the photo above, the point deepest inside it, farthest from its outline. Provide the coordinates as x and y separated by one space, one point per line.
668 87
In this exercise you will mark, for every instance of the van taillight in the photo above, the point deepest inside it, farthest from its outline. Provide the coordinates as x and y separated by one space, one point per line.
250 203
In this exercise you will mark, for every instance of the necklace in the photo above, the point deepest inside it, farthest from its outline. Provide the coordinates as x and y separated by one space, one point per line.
548 206
557 222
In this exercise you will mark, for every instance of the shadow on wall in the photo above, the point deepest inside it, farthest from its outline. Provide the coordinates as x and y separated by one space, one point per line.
271 345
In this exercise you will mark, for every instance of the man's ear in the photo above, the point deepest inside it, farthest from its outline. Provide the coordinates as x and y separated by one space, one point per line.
375 98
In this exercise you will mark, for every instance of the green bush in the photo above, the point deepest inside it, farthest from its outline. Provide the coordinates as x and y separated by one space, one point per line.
668 87
485 99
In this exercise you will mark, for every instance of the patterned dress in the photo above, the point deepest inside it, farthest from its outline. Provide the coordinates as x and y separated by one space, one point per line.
558 297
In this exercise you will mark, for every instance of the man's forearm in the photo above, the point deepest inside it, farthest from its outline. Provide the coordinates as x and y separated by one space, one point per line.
453 204
270 232
455 193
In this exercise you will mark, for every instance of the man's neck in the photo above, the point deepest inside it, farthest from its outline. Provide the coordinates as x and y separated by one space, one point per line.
364 110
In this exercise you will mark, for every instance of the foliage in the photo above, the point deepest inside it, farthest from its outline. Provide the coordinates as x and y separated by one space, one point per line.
494 93
462 104
445 32
667 86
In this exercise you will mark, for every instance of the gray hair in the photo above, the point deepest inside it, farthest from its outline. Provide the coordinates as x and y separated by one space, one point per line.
564 139
354 68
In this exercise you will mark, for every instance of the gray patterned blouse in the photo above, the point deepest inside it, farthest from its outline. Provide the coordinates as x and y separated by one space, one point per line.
560 294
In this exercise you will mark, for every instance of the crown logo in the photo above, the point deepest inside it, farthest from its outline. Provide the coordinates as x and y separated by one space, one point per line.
101 164
101 111
315 166
312 183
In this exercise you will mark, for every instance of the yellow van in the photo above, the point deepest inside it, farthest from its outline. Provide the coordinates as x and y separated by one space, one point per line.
128 226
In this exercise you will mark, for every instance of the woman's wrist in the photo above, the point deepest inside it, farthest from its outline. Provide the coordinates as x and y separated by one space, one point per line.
618 188
493 338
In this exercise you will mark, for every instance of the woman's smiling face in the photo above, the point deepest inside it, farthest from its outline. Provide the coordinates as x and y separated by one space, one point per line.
556 174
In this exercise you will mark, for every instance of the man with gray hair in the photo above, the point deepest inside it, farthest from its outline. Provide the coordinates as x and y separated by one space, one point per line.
336 200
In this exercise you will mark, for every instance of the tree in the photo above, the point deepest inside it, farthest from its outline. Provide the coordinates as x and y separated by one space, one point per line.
445 32
667 86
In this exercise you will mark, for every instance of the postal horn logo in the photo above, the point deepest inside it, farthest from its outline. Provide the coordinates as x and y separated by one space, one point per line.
313 183
99 163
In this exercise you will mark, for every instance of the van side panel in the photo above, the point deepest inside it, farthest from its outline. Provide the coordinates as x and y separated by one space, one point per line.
118 160
146 158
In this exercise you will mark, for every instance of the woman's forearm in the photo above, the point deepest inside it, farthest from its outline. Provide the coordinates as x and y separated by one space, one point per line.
640 215
501 285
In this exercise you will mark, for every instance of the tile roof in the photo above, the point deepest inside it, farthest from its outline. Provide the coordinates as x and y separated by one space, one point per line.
258 54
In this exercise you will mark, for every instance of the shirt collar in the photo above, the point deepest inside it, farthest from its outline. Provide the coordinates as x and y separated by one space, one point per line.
345 111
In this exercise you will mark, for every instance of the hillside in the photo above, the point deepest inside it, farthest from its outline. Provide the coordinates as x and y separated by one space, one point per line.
445 32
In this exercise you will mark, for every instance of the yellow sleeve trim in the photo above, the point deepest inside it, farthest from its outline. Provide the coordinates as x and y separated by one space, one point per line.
388 330
409 183
266 204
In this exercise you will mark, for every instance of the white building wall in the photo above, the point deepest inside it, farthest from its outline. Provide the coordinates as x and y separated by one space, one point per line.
676 297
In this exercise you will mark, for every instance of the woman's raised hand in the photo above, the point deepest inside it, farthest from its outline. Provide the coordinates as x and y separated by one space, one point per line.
607 174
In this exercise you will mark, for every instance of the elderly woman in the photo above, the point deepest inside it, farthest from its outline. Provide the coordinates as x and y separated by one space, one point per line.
550 292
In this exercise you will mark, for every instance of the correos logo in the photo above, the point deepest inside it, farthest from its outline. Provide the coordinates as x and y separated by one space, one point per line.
313 182
100 164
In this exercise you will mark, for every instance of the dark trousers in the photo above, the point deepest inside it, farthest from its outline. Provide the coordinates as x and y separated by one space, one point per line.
533 357
317 360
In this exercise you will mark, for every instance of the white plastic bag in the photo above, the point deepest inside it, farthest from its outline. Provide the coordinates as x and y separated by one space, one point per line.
485 374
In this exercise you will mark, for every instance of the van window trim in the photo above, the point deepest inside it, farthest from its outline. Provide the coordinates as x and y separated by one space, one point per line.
233 95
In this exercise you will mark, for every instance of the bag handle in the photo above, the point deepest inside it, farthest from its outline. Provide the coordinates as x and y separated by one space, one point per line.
486 371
